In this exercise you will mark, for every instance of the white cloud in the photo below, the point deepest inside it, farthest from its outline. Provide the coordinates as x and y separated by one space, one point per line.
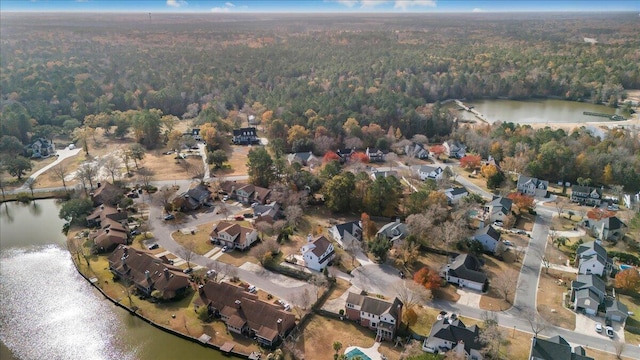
220 10
229 4
348 3
176 3
371 3
404 4
477 10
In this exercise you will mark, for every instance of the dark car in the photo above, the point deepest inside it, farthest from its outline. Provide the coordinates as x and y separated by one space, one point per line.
169 217
239 218
247 215
188 270
153 246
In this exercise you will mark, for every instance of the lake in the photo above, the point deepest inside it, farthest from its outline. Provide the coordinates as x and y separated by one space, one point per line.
49 311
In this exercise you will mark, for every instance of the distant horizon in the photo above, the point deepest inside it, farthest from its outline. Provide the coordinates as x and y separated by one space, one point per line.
317 6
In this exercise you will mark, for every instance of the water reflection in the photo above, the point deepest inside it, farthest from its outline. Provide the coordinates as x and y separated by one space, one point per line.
34 208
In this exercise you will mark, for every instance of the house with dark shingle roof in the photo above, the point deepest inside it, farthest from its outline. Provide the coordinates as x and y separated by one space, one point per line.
489 237
244 313
454 195
347 232
498 208
555 348
416 150
375 155
268 213
452 335
196 197
587 293
233 235
107 194
591 258
610 228
376 314
615 310
303 158
245 136
394 231
317 253
532 186
148 273
113 230
586 195
454 149
465 271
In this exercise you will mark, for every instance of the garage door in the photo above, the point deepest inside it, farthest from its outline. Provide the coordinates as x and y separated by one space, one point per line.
616 317
590 311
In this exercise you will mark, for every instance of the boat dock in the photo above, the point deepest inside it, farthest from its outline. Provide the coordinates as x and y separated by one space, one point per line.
470 109
615 117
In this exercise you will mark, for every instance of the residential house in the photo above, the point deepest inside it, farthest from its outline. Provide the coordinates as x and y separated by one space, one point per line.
113 230
555 348
611 228
245 136
233 235
196 197
454 195
417 151
345 154
394 231
376 314
587 293
615 310
452 335
303 158
532 186
430 172
591 258
106 193
465 271
454 149
375 155
245 314
489 237
375 173
195 134
346 233
245 193
318 253
148 273
268 213
42 148
586 195
498 208
103 212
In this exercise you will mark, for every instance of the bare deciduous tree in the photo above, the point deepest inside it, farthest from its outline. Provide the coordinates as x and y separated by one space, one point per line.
164 196
88 172
618 346
146 176
505 284
60 171
537 323
491 336
293 214
560 204
411 293
112 165
186 252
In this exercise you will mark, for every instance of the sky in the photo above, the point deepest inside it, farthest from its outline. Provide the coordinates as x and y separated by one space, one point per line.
317 6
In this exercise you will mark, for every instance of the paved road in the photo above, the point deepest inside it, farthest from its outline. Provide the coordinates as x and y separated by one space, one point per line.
62 155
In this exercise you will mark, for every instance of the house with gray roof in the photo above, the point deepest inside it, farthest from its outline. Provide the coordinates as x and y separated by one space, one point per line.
196 197
416 150
586 195
382 316
489 237
303 158
452 335
394 231
591 258
268 213
498 208
555 348
465 271
346 233
611 228
532 186
426 172
587 293
615 310
454 195
375 173
454 149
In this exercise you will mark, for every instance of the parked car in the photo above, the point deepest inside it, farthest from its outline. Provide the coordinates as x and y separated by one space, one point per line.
252 289
225 198
133 195
225 248
609 331
613 208
286 307
247 215
153 246
598 327
169 217
521 232
508 243
239 218
134 233
188 270
498 223
211 273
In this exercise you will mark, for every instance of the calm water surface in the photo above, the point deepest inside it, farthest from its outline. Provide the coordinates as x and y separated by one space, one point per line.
48 311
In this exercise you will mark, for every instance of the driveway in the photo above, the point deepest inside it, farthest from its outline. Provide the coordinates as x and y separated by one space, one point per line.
586 324
469 297
62 155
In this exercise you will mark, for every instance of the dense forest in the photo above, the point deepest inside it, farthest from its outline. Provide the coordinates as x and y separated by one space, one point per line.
313 71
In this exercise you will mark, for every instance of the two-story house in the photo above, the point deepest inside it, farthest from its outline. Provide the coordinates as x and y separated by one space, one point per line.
42 148
344 154
148 273
430 172
376 314
466 271
587 293
245 193
498 208
233 235
489 237
106 193
245 136
586 195
555 348
454 149
417 151
375 155
303 158
245 314
195 197
394 231
532 186
345 233
591 258
611 228
454 195
317 253
452 335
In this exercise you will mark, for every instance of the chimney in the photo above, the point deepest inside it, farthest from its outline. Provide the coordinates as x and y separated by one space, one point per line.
238 303
147 274
99 184
309 238
166 273
106 230
279 326
102 207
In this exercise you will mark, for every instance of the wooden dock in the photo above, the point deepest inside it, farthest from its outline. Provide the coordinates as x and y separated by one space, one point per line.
612 117
470 109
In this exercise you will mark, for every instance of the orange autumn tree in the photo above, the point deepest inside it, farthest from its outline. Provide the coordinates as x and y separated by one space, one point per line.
470 162
437 150
522 201
628 280
361 157
369 228
330 156
599 214
428 278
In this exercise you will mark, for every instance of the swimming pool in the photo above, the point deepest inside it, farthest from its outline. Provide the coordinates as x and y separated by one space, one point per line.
625 267
356 352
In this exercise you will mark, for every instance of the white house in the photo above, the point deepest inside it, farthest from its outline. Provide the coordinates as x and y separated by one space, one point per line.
532 186
454 195
591 258
452 335
498 208
430 172
233 235
379 315
454 149
489 238
610 228
346 233
318 253
465 271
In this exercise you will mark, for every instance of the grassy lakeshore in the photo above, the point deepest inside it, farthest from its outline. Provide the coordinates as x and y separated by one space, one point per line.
175 316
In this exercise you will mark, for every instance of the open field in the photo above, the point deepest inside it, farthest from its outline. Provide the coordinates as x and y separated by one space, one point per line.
549 299
501 274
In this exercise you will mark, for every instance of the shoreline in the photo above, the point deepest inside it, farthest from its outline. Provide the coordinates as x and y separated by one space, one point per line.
132 312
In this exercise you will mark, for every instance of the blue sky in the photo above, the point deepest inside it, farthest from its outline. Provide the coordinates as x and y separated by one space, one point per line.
301 6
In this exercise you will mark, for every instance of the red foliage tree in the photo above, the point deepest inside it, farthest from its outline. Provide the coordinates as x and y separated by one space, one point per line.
437 150
599 214
428 278
330 156
628 280
470 162
522 201
361 157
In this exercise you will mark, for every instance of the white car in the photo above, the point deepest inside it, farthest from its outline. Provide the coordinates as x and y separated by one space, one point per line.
609 331
252 289
598 327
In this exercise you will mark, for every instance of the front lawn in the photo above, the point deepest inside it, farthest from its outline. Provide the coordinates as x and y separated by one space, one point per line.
199 238
550 291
